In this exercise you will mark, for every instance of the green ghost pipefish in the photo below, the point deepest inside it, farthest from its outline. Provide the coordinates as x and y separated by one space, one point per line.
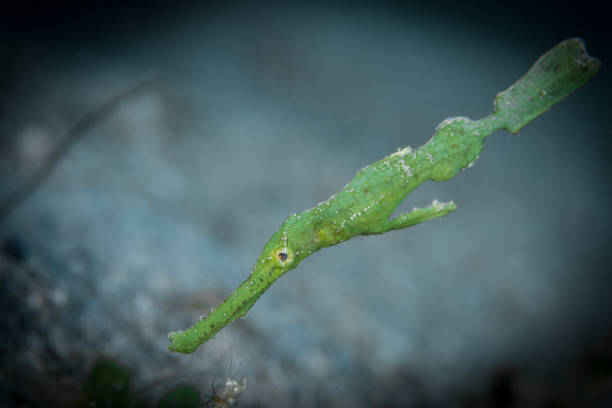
366 204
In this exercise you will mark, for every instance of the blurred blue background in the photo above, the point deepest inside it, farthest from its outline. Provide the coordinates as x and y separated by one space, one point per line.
260 110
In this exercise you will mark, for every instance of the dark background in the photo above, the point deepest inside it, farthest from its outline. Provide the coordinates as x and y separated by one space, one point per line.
259 110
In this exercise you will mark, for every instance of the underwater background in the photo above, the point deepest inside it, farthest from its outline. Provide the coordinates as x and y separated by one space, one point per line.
256 110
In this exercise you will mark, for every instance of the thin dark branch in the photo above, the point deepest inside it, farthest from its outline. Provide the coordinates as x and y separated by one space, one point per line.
38 177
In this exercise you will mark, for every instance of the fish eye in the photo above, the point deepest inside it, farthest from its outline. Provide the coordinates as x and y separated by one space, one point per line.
284 256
